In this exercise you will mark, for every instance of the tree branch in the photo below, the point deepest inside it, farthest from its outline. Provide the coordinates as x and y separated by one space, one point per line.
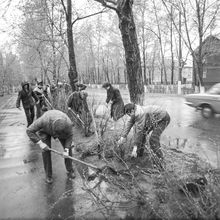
64 7
87 16
112 4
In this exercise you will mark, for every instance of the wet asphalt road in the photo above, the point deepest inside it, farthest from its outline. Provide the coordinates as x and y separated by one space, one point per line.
24 193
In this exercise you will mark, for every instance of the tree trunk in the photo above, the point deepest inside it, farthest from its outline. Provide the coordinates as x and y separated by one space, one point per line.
163 68
146 81
73 75
180 49
132 53
171 45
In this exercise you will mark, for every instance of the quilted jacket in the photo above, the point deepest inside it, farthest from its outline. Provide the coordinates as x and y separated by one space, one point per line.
144 120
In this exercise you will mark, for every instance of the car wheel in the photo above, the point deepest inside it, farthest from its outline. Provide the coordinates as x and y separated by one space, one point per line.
207 112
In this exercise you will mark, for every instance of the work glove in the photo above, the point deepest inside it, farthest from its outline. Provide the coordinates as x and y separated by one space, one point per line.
66 153
134 152
42 145
121 140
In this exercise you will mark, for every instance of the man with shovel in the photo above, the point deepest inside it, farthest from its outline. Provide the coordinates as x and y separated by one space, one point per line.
56 124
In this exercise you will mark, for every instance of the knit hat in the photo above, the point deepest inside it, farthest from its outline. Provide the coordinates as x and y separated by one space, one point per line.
107 84
129 107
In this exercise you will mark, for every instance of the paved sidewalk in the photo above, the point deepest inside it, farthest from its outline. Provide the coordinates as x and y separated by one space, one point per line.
23 192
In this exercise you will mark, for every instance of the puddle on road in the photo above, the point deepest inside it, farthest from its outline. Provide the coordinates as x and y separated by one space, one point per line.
194 140
204 148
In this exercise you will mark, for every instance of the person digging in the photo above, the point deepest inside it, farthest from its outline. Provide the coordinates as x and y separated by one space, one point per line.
147 120
78 108
56 124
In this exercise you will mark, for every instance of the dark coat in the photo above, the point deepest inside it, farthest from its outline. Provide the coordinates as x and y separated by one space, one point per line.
77 102
26 97
117 107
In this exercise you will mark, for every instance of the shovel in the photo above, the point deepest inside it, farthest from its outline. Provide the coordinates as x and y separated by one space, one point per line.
48 102
98 169
77 119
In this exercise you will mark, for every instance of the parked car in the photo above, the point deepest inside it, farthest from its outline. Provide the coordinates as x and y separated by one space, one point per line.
208 102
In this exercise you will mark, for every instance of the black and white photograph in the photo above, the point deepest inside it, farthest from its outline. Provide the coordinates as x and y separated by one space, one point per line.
109 109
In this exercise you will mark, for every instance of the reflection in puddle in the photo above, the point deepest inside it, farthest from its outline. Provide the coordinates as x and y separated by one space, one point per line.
63 206
203 148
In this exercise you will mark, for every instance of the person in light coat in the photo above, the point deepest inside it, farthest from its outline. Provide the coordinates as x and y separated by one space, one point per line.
56 124
146 120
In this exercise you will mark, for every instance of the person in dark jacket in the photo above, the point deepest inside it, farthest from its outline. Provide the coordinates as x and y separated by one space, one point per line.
41 93
56 124
146 119
28 99
77 102
117 103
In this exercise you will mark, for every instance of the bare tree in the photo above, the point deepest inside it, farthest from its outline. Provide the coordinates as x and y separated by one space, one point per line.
123 8
203 15
163 67
73 75
171 45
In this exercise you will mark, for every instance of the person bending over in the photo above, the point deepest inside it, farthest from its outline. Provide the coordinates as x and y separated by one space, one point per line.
56 124
146 120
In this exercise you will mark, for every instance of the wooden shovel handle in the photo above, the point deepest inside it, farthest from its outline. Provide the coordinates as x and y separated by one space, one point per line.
75 159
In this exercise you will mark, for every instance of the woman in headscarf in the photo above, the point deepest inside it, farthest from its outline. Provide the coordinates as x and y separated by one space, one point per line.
115 98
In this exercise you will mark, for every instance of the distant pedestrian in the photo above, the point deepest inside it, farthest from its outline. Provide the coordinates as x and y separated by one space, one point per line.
146 119
28 99
115 99
56 124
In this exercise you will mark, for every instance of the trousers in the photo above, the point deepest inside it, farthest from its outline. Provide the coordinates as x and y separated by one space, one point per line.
46 155
30 114
154 138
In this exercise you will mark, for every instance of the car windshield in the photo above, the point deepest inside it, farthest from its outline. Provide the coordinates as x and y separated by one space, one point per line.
214 90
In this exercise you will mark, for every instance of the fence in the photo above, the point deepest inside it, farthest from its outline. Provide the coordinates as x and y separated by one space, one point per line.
165 89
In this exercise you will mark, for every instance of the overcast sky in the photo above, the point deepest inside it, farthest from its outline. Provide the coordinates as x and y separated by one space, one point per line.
9 18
